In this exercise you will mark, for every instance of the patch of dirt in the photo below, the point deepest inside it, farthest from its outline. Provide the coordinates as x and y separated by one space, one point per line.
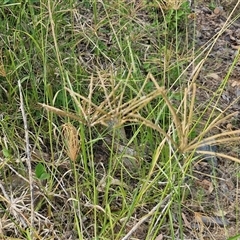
222 55
214 191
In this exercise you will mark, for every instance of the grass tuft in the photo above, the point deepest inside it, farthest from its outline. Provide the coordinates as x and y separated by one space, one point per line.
119 132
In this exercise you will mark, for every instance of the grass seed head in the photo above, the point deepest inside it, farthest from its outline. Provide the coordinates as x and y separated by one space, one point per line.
71 140
171 4
2 69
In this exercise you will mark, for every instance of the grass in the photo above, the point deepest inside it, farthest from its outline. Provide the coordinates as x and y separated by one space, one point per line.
109 126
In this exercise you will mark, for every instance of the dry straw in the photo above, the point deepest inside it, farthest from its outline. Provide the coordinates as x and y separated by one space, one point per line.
114 112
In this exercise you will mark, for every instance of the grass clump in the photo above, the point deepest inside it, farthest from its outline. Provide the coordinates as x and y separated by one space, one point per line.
109 93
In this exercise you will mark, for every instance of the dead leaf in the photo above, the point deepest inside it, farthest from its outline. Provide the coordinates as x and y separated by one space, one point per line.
186 222
235 83
220 213
214 76
235 47
229 127
230 184
159 237
218 10
206 185
113 181
211 221
192 16
198 220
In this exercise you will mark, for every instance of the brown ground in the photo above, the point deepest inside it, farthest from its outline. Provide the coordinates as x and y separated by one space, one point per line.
217 186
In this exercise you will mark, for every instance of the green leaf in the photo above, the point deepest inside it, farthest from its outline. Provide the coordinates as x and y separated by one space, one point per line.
6 153
234 237
41 172
44 176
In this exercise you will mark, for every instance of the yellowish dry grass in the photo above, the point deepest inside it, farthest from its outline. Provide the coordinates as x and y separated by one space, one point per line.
71 140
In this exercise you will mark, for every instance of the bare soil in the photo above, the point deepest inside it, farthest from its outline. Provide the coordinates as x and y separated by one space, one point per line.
217 186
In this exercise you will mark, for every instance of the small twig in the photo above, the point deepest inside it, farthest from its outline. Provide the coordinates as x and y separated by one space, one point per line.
28 154
144 218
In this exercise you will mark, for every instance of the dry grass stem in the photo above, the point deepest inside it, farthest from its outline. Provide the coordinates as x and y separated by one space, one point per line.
221 155
141 120
109 109
163 204
28 154
213 140
61 112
